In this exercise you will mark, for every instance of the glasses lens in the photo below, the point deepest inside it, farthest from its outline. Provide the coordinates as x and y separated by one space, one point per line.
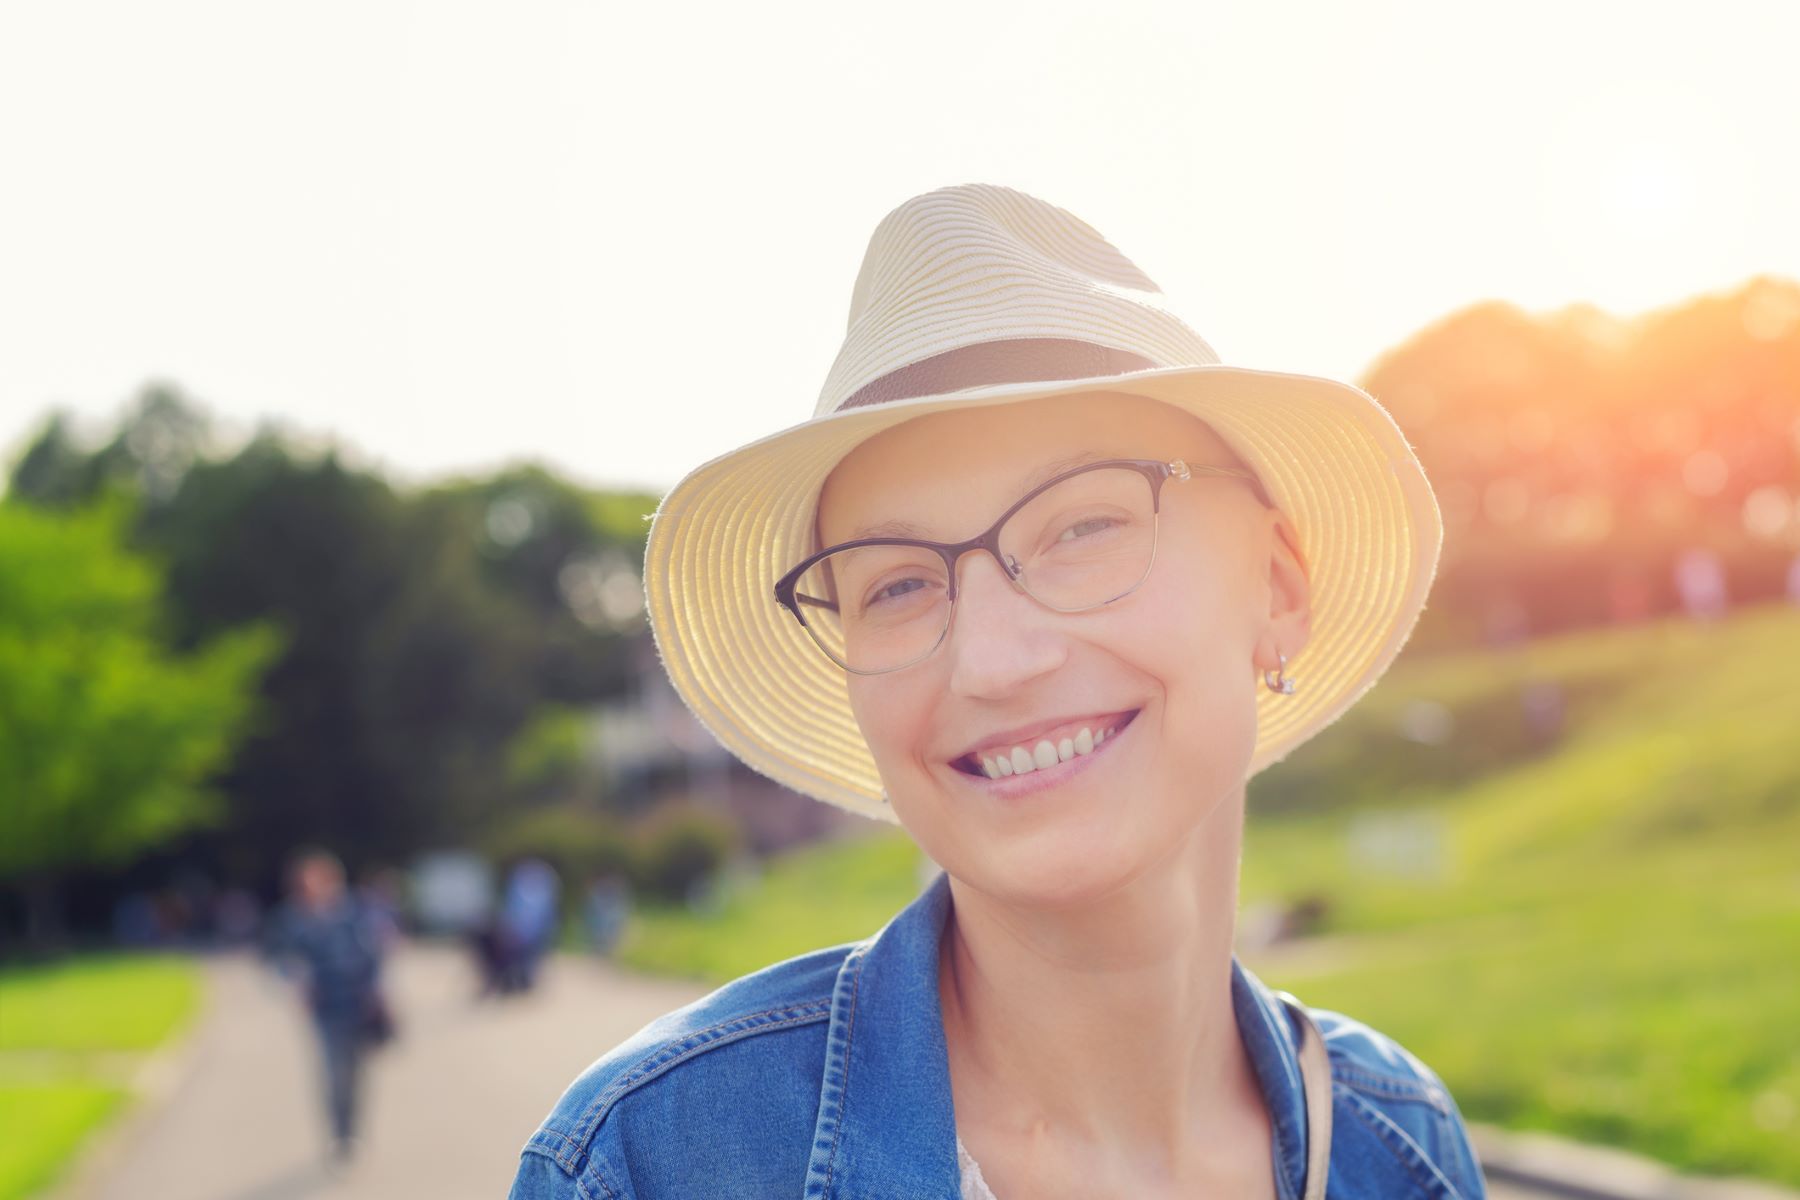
875 608
1085 541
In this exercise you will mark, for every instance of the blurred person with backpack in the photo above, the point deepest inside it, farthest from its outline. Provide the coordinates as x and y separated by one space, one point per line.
327 938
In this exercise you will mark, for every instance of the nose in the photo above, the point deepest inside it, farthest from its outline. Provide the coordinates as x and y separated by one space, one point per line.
1000 639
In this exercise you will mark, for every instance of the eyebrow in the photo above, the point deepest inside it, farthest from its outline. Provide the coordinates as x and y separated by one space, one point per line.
1041 473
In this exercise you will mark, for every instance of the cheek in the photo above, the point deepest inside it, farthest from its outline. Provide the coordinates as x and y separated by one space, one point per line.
1195 641
892 719
1190 632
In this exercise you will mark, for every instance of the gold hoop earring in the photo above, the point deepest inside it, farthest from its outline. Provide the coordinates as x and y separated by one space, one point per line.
1281 683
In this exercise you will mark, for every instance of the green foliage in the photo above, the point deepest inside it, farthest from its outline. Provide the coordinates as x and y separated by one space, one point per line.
107 739
624 516
578 842
424 630
404 678
160 437
680 849
668 857
570 558
820 896
551 756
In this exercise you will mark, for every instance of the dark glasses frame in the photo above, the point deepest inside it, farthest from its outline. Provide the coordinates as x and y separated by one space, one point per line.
1155 471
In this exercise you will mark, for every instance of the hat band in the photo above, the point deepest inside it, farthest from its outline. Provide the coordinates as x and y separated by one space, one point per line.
1011 360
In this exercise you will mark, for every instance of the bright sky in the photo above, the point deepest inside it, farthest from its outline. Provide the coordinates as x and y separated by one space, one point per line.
620 238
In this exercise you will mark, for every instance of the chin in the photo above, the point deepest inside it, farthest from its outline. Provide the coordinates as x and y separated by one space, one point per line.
1068 872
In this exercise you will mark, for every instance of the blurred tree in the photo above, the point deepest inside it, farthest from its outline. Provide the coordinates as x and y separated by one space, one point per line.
54 470
1577 456
569 556
426 630
108 741
553 759
405 677
161 435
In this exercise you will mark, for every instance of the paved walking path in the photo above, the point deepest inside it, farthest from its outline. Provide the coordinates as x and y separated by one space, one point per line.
236 1114
445 1107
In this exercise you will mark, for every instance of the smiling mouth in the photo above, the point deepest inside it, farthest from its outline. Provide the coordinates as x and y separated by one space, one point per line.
970 764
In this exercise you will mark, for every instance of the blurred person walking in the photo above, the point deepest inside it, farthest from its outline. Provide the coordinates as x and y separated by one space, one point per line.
528 919
326 935
605 909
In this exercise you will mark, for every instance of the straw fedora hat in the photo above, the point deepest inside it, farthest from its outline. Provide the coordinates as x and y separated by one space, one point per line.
983 295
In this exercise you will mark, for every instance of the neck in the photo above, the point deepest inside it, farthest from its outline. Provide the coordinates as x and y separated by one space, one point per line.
1110 1026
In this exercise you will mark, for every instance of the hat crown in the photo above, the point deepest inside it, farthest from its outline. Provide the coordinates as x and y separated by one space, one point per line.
980 263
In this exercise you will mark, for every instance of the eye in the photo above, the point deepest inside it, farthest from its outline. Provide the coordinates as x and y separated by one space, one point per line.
1096 523
893 591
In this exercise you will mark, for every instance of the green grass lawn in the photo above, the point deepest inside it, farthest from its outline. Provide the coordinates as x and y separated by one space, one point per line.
70 1033
820 896
1611 948
1605 941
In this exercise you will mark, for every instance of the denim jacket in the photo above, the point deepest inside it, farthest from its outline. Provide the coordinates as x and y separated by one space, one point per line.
826 1077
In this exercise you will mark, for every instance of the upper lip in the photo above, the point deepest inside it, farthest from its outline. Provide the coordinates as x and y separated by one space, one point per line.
1023 734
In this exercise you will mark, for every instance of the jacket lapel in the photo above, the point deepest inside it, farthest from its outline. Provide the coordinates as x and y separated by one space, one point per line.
886 1126
1269 1034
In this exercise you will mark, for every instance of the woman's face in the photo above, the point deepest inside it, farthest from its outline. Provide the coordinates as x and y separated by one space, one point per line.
1178 658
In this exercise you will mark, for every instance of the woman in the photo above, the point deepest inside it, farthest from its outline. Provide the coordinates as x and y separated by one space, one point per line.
1030 584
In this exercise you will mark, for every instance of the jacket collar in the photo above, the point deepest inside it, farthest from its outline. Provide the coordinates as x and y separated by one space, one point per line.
886 1124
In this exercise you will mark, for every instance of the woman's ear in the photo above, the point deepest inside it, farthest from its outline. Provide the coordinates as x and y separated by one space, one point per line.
1290 595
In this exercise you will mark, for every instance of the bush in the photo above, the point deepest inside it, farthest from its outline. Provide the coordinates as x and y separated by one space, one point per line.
579 843
680 850
670 856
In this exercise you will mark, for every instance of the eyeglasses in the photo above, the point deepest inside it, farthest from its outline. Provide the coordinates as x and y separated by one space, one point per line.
1076 542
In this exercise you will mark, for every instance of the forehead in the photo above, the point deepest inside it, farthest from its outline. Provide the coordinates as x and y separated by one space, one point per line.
941 470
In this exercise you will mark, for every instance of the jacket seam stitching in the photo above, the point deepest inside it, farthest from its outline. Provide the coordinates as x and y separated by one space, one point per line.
547 1131
844 1094
596 1170
670 1054
531 1147
1399 1087
579 1180
1386 1131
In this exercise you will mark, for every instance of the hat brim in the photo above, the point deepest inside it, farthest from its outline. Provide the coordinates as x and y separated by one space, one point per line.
1329 455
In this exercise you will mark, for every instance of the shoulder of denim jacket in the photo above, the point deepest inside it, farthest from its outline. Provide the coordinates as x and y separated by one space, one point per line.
790 994
1371 1062
1394 1088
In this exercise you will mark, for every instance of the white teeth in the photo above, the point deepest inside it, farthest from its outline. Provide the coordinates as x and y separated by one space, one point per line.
1022 761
